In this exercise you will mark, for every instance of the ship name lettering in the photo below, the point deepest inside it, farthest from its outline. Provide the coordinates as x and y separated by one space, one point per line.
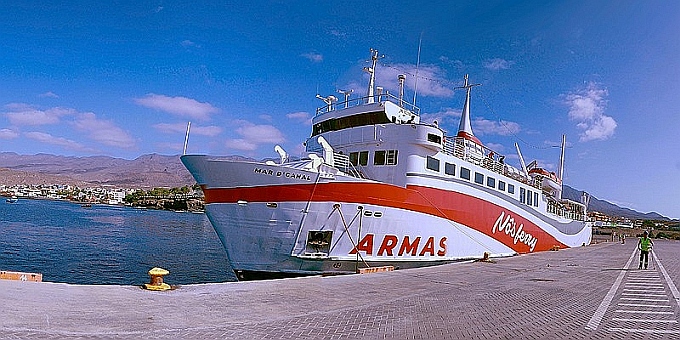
509 226
392 245
291 175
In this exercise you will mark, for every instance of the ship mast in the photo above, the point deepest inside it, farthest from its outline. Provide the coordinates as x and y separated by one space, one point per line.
371 73
560 171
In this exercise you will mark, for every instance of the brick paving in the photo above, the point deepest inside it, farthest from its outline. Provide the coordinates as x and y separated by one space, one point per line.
568 294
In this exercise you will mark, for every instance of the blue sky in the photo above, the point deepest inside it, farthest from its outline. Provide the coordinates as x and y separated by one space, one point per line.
122 79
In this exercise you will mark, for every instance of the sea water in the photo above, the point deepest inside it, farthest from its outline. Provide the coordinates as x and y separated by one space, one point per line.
108 244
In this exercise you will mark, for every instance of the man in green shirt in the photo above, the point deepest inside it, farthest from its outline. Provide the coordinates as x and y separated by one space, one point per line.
645 245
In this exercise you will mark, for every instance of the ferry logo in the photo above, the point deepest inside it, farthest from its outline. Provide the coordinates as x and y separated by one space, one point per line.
391 245
509 226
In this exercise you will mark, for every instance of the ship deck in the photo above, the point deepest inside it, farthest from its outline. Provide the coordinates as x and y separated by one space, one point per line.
592 292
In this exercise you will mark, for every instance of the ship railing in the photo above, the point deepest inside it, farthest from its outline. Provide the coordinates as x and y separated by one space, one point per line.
378 98
342 163
567 209
479 155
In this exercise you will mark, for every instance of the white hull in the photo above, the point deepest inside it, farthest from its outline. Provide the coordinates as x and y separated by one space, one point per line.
265 227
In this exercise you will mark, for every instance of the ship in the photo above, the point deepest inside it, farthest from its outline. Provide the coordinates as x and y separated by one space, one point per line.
379 188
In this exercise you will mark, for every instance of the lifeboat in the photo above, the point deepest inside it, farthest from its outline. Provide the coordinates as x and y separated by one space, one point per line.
549 181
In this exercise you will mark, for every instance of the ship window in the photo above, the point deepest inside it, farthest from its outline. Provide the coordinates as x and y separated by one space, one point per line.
479 178
529 197
434 138
432 163
335 124
511 188
491 182
363 158
522 195
536 199
465 173
391 157
501 185
354 158
450 169
379 157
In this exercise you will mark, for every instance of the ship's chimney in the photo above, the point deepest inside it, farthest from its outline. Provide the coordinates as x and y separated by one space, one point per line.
465 129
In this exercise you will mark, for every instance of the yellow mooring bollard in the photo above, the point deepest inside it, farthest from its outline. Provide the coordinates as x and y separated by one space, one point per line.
157 279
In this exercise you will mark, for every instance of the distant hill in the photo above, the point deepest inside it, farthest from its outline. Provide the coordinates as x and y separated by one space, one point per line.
153 170
145 171
610 209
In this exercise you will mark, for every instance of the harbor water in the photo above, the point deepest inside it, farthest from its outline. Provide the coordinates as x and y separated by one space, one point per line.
108 244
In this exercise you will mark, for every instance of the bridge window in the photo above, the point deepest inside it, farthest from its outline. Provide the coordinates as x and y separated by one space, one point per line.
529 197
479 178
511 188
450 169
432 163
434 138
536 199
465 173
335 124
358 158
391 157
379 158
501 185
522 195
385 157
491 182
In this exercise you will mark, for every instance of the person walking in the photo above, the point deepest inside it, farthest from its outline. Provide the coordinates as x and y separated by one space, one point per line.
645 245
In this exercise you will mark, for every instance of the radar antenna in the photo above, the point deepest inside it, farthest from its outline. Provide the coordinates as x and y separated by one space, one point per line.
346 93
328 100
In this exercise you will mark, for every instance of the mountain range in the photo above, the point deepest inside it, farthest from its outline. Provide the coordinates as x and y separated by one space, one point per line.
154 170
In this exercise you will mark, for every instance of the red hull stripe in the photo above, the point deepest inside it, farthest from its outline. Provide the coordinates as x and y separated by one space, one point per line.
467 210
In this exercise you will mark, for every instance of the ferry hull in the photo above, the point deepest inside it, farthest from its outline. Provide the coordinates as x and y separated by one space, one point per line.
277 221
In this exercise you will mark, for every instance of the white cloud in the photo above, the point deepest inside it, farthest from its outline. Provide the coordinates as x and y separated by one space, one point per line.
180 106
103 131
586 108
24 114
8 134
431 79
59 141
313 56
496 64
252 136
495 147
448 117
48 94
302 117
188 43
181 128
492 127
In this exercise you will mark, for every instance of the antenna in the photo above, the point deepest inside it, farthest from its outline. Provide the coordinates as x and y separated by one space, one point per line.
415 87
186 139
560 172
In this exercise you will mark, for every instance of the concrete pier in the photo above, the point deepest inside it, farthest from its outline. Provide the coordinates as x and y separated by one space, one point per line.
593 292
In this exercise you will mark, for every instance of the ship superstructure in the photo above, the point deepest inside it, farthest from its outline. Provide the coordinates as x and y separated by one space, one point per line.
380 187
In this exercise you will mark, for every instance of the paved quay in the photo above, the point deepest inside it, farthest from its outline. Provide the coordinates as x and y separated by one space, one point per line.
593 292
